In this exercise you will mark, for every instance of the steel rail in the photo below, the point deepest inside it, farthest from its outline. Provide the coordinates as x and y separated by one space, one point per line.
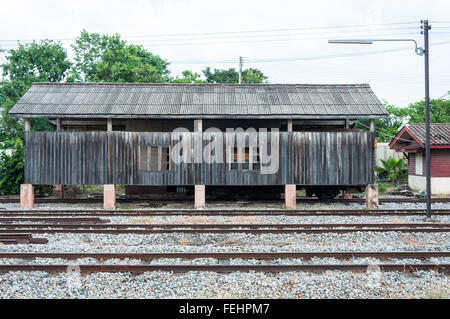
229 213
226 231
67 220
215 210
306 200
223 226
87 269
232 255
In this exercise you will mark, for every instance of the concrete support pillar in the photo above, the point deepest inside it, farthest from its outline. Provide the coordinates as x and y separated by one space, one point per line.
372 199
199 196
58 191
26 196
109 196
290 196
289 125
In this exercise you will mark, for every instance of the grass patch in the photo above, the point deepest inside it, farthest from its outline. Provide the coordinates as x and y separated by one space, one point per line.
437 292
91 189
383 187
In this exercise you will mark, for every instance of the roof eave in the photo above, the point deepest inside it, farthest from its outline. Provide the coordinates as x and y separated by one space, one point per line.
200 116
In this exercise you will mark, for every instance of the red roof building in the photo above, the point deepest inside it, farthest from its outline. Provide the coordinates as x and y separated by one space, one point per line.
411 140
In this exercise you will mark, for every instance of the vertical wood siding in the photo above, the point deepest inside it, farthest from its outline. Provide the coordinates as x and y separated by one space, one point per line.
305 158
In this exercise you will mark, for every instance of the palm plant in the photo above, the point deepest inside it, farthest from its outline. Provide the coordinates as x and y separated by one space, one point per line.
394 170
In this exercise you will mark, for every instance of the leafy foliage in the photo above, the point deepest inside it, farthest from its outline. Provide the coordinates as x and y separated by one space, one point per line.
439 111
45 61
232 76
395 170
105 58
11 167
188 78
387 128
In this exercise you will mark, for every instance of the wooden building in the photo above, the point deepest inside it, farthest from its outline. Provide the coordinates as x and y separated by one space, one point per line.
411 140
115 133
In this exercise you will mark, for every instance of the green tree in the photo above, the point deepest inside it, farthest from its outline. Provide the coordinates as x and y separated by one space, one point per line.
105 58
232 76
386 128
11 166
188 78
45 61
439 111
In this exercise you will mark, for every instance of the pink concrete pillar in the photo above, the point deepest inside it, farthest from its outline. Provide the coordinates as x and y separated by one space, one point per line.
199 196
26 196
58 191
372 199
290 196
109 196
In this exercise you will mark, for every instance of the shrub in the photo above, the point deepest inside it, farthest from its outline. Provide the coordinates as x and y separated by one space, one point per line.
394 170
11 166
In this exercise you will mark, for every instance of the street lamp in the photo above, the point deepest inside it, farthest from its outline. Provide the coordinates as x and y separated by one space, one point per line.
419 51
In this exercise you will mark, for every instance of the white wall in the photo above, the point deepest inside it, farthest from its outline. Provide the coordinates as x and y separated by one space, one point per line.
384 152
439 185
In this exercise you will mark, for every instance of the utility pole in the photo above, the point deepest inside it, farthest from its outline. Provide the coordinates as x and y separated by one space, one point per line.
425 27
241 62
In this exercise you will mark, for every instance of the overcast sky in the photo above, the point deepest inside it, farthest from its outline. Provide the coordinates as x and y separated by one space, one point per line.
287 40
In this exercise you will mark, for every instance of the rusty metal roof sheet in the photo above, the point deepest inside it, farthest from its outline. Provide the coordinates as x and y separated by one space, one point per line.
439 133
122 100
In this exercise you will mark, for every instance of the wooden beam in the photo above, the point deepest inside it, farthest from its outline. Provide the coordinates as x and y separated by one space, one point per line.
27 124
198 125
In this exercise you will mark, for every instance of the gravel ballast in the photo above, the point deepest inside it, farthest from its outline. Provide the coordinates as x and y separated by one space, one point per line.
331 284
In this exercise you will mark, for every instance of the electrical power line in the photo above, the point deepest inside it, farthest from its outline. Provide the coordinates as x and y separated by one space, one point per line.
234 32
389 135
220 41
296 59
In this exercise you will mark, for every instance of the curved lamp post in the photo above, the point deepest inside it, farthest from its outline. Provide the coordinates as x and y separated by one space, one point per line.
419 51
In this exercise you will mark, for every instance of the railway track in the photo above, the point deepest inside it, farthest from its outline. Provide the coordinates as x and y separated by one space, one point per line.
215 212
232 255
221 228
92 268
86 220
20 238
137 269
299 200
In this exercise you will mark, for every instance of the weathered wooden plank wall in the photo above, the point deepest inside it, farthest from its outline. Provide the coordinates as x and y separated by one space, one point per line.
305 158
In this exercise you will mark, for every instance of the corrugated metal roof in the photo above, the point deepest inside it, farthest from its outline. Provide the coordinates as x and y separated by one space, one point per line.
439 133
199 100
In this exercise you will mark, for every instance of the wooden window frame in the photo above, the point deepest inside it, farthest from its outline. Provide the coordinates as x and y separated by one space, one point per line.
150 149
248 154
